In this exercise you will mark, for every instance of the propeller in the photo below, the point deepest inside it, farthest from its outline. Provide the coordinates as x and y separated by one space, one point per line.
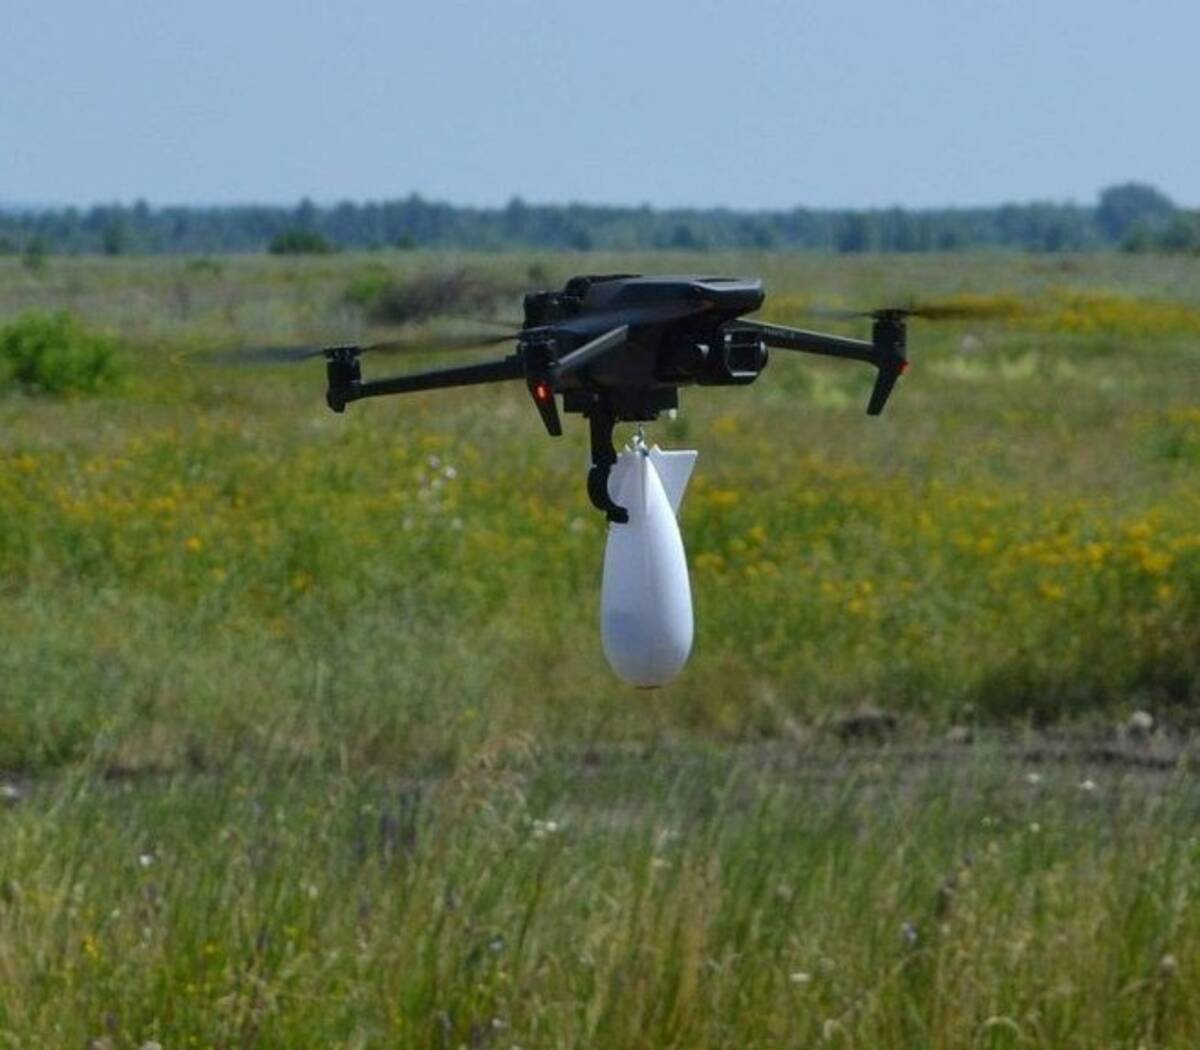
269 355
491 322
964 308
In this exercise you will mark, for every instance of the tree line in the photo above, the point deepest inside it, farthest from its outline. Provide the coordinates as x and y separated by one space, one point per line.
1133 216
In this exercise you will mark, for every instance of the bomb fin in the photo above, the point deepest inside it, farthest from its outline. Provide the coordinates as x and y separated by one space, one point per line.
675 471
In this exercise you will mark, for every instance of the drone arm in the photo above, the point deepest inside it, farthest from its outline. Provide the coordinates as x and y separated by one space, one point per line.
544 371
784 338
340 393
887 350
586 354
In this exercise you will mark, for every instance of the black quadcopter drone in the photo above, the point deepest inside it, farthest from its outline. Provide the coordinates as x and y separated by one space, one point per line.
618 347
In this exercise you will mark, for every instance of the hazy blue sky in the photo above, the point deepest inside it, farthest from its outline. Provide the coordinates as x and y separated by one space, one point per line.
759 103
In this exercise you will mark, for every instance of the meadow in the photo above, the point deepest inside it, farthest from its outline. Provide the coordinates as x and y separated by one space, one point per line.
306 736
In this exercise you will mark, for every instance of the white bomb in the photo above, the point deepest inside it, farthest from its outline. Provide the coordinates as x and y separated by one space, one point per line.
646 598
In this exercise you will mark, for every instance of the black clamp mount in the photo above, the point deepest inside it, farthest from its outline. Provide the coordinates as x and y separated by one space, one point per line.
604 409
601 422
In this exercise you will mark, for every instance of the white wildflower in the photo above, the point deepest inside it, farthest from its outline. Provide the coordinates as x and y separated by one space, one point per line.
544 828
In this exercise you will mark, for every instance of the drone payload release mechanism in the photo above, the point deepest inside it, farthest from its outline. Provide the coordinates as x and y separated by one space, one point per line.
617 348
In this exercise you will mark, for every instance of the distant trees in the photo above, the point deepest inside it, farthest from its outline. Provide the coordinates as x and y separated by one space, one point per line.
299 242
1131 215
854 233
1179 235
113 239
1132 204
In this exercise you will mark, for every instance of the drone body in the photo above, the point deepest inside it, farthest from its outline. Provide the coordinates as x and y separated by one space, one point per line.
617 348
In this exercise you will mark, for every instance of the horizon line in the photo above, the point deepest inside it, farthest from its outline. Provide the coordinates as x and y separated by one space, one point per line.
28 207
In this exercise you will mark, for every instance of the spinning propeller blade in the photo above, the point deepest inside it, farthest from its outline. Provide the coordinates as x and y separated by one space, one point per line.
261 355
434 344
412 345
963 308
492 322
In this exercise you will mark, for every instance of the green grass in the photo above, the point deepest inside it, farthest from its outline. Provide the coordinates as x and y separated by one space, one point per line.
326 674
644 899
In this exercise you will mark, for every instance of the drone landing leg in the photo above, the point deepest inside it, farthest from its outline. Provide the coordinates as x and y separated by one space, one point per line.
604 455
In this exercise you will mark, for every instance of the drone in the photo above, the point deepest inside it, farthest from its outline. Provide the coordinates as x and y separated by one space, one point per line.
616 348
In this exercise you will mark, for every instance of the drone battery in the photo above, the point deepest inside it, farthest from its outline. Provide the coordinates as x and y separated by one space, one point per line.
646 597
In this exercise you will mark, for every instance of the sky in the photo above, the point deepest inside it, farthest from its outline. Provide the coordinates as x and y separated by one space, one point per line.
746 104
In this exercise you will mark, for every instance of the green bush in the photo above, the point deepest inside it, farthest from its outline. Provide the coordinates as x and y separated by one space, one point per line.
53 353
390 300
299 242
369 287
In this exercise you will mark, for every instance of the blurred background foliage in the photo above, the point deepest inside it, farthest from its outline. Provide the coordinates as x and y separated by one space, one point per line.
1133 216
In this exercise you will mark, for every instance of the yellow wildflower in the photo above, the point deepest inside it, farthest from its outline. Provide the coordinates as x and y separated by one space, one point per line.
726 425
1052 591
710 562
1155 563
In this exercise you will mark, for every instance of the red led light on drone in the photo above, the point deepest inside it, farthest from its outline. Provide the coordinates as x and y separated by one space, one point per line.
541 390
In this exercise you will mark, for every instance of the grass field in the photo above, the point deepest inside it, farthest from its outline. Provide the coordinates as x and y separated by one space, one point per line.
308 738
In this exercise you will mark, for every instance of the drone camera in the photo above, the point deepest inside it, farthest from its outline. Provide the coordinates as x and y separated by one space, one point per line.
743 356
736 358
